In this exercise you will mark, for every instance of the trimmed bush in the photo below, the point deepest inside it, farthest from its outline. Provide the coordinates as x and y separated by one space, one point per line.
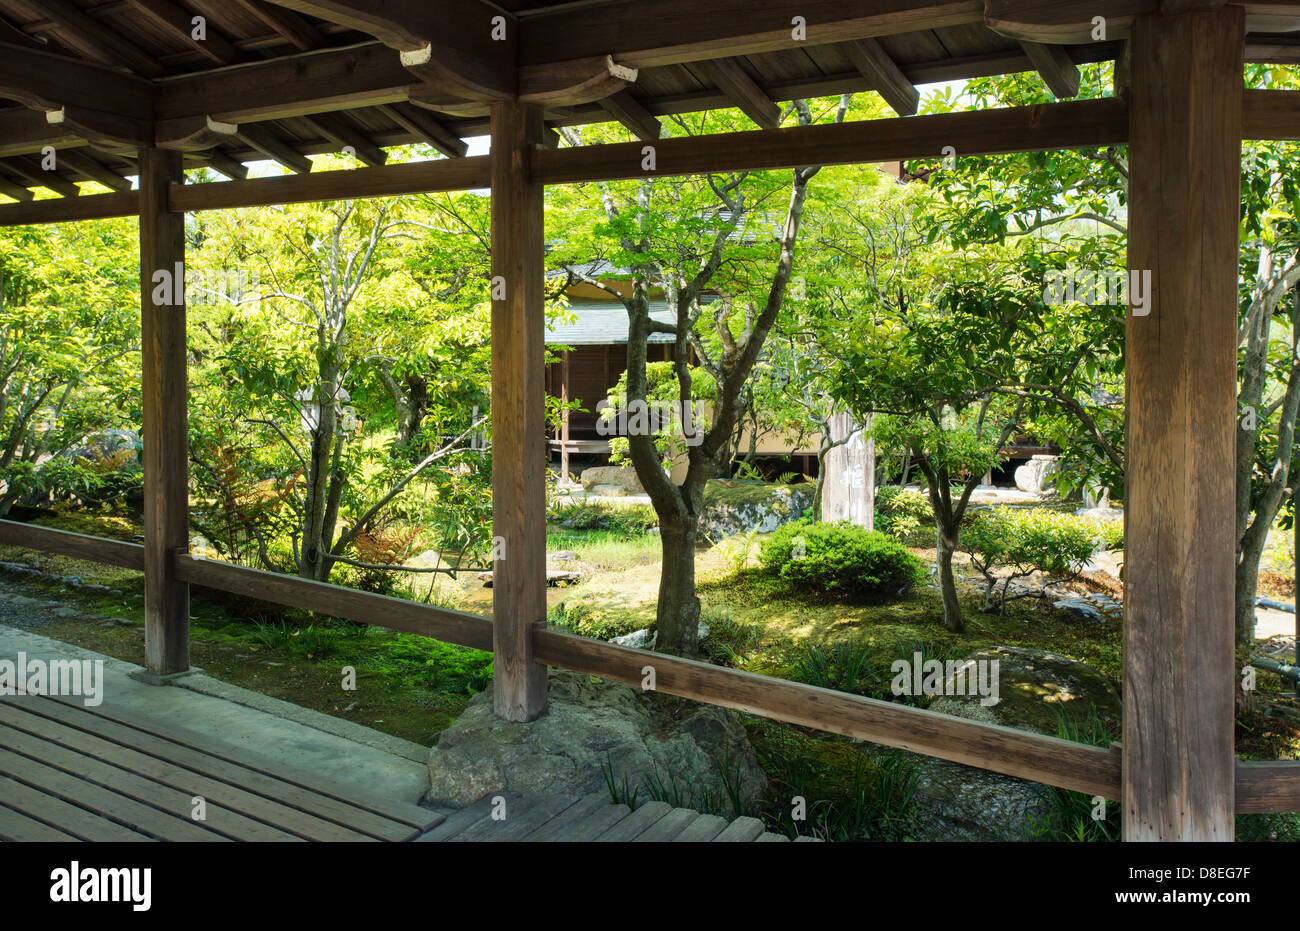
841 560
1024 541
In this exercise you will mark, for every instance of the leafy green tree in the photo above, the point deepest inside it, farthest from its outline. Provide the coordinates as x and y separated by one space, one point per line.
69 349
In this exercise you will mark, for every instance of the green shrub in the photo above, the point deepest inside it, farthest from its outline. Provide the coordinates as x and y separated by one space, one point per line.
633 521
840 560
1023 541
1111 533
903 512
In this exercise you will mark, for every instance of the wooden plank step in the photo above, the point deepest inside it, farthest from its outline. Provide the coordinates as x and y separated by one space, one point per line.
172 766
580 811
136 815
15 826
399 810
741 831
704 828
322 817
222 820
459 821
595 824
82 824
636 823
522 817
669 826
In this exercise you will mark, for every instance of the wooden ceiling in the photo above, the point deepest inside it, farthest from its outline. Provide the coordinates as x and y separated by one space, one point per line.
289 79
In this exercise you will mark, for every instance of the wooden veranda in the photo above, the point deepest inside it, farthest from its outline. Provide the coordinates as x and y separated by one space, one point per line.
124 87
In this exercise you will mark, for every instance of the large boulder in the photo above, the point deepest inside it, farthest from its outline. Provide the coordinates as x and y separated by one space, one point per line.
734 506
620 477
1037 689
592 726
1033 475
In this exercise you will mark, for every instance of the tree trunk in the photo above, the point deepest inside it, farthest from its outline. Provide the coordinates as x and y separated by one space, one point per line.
946 544
677 617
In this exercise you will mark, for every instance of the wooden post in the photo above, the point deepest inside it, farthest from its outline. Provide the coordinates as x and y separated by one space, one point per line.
564 430
165 426
518 412
1184 196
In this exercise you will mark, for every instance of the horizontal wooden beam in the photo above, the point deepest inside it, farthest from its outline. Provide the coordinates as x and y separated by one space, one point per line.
1271 115
464 46
76 545
47 81
336 128
66 209
470 630
644 35
1268 787
462 174
1081 124
31 169
1013 752
297 85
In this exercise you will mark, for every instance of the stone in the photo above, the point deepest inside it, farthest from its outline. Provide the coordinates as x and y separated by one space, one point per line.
1096 608
1037 688
734 506
591 726
638 639
623 477
609 491
561 556
1101 513
956 802
1032 476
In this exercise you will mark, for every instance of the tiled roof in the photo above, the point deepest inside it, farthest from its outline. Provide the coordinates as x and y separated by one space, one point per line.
602 323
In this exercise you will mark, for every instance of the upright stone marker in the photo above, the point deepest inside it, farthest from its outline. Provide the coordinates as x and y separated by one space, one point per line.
849 492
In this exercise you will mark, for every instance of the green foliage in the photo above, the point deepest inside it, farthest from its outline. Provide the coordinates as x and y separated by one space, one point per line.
903 513
582 620
1022 541
730 642
840 560
627 522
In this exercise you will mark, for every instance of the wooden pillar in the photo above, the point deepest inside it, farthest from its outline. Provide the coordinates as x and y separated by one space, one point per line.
165 426
1184 196
564 429
518 412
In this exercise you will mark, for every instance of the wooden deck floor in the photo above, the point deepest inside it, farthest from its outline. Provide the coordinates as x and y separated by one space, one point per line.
68 772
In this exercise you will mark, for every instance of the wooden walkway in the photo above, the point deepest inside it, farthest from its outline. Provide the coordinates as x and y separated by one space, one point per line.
69 773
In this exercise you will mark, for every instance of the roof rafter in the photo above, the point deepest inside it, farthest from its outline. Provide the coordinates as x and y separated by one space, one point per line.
1055 67
740 88
874 63
291 27
94 39
181 24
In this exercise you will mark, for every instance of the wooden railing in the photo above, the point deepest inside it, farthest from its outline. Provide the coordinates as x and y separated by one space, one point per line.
1261 787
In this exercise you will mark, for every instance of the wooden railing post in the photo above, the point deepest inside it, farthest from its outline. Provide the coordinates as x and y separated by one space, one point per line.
165 427
1184 198
518 412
